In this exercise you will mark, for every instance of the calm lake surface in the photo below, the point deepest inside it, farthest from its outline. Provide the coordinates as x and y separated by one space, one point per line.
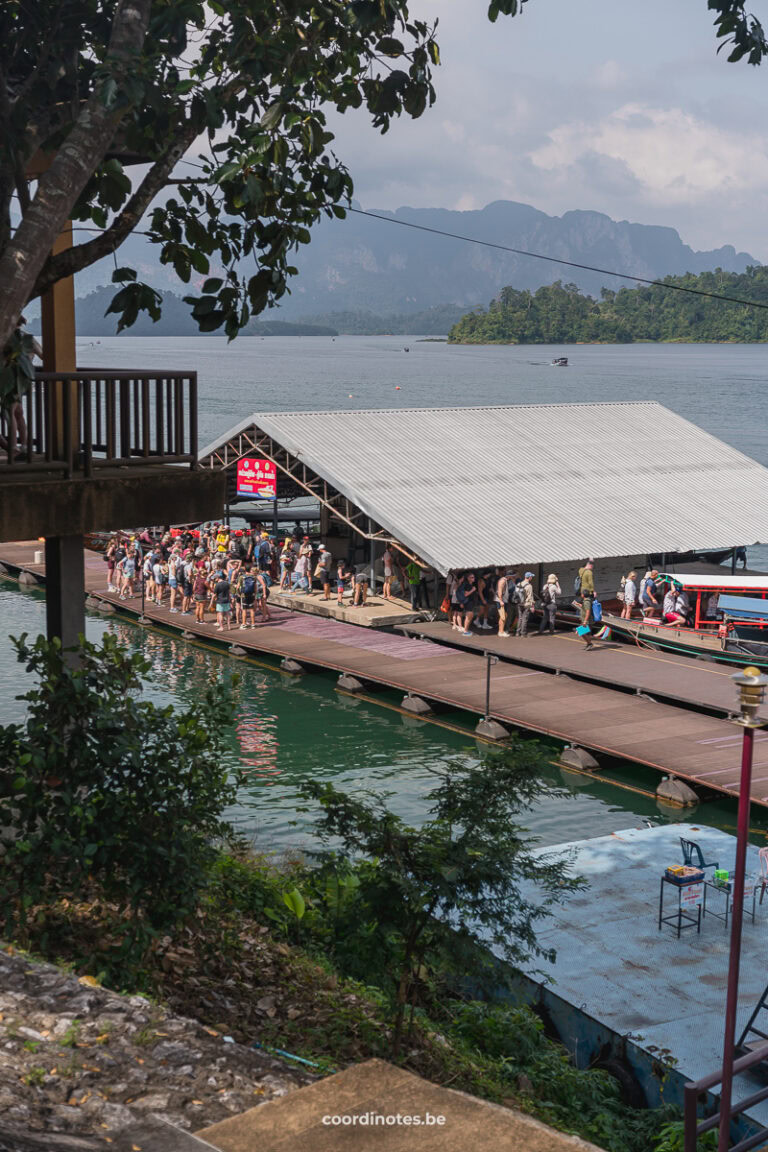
287 731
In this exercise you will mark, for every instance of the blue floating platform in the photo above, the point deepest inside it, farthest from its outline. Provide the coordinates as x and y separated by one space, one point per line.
618 980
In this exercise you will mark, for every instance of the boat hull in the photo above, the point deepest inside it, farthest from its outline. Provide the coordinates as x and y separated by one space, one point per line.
737 649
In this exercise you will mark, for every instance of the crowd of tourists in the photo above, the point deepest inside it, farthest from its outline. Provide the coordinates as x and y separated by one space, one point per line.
495 599
230 572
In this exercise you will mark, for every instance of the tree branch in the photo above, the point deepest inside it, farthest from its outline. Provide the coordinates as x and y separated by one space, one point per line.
73 260
59 188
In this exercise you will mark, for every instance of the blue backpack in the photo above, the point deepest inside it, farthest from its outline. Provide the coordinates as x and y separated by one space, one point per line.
597 611
249 586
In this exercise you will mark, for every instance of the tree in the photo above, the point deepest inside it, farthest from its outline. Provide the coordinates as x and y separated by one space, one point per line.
89 82
105 795
434 894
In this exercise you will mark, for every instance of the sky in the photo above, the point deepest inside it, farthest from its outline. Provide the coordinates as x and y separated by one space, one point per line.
619 106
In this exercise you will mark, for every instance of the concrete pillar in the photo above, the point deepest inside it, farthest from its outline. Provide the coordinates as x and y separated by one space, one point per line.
65 588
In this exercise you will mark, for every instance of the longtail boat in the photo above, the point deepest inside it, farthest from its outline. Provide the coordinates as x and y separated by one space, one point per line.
728 619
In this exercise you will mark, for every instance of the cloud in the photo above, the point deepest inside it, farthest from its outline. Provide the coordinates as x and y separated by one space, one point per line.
673 156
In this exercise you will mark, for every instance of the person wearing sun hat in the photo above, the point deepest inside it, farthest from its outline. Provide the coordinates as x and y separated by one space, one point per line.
549 595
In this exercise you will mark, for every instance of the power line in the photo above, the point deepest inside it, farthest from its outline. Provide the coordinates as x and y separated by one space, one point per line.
557 260
520 252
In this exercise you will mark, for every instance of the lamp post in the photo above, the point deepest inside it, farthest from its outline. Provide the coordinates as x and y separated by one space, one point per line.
751 684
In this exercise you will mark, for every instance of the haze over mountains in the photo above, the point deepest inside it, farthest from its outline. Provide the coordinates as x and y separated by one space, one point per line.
362 265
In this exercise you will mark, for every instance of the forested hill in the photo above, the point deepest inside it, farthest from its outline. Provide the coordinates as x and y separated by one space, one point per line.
561 314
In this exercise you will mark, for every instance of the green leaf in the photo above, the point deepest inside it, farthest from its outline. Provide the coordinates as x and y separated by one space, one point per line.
272 116
294 901
388 46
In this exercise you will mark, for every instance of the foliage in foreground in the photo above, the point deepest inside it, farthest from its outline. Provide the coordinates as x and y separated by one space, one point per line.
103 791
561 314
427 897
111 812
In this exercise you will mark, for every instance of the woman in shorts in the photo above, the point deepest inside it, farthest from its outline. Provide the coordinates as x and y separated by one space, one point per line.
200 593
389 572
262 594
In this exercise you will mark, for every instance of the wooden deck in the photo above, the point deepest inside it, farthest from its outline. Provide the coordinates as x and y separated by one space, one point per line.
700 684
699 748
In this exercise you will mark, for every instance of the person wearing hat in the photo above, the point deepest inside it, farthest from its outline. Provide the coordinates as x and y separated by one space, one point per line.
525 589
549 595
323 570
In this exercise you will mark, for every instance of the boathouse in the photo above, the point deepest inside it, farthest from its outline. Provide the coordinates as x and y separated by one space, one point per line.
517 485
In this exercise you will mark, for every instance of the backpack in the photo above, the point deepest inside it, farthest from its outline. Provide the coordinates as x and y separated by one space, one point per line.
597 611
249 586
577 584
518 595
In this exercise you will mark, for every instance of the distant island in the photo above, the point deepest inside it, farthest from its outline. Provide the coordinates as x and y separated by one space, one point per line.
562 314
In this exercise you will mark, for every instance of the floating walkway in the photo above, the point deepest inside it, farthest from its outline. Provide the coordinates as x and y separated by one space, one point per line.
701 749
684 680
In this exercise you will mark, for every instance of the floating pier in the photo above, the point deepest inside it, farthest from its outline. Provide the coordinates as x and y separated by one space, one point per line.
677 741
648 999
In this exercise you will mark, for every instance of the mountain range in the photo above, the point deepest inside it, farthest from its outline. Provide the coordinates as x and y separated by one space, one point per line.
367 275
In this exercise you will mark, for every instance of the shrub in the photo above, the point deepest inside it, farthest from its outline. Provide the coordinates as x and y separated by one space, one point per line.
105 794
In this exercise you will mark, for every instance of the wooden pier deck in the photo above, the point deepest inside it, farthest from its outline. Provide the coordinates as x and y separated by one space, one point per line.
698 748
699 684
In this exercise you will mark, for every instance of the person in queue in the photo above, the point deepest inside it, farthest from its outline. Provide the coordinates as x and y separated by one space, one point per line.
361 589
245 595
388 565
649 594
342 576
323 568
223 594
287 561
466 599
484 600
526 604
501 599
630 596
549 595
586 579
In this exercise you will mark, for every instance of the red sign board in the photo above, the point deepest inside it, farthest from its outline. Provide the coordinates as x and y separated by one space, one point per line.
257 479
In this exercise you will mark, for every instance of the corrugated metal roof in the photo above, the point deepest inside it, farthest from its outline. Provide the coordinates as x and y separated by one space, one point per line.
534 483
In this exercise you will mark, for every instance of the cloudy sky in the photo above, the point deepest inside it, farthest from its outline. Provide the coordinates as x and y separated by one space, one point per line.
621 106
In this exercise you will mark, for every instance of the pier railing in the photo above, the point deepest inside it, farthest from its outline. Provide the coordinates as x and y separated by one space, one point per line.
695 1127
79 422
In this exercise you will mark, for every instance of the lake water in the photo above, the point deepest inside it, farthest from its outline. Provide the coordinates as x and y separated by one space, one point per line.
288 730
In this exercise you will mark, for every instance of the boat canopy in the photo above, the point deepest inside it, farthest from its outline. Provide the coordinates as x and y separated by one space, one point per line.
698 581
743 607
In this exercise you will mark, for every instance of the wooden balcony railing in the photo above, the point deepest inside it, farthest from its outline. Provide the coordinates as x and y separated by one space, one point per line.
79 422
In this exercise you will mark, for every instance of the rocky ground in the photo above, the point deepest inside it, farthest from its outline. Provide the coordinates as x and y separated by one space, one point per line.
76 1058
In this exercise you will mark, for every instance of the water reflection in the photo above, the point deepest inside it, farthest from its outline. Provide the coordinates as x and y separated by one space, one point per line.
291 728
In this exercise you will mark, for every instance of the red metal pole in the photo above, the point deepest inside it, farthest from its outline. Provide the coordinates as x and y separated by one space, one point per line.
731 1005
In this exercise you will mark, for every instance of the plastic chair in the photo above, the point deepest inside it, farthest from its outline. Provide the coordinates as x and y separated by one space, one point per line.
691 849
763 854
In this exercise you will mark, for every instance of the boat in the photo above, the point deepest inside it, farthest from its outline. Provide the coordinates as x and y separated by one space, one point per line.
560 362
728 619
